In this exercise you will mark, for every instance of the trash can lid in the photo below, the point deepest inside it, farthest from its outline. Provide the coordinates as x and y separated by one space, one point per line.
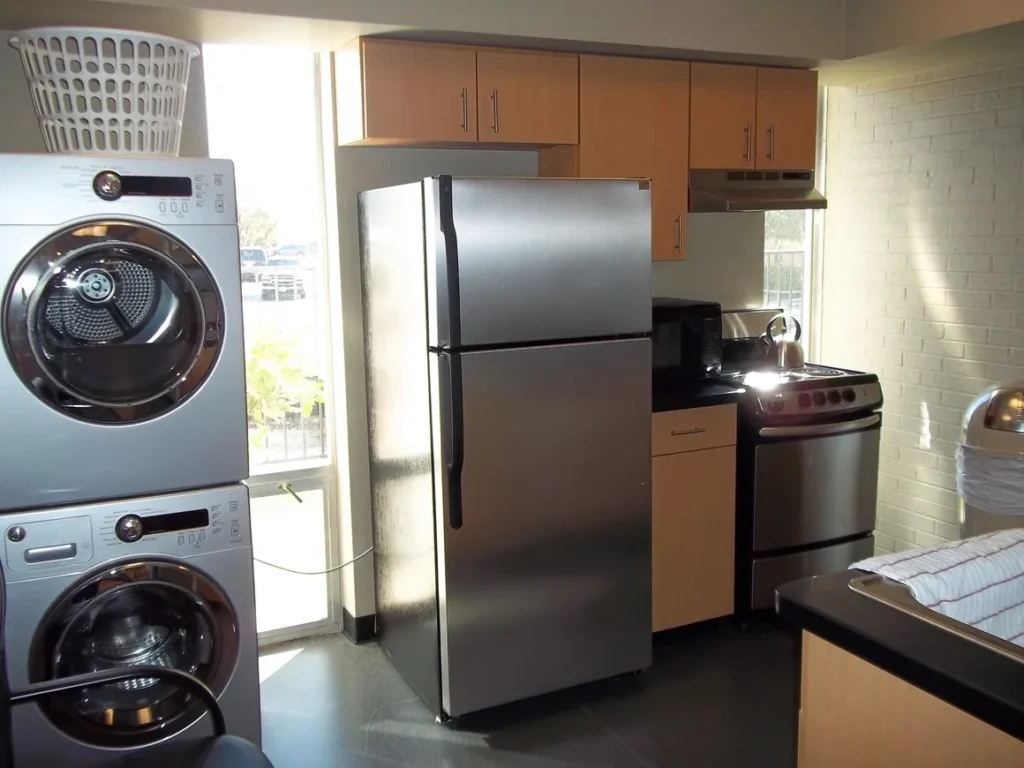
995 420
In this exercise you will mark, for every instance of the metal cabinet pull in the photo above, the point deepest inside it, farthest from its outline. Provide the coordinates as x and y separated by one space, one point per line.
465 109
748 130
690 431
494 110
771 141
679 234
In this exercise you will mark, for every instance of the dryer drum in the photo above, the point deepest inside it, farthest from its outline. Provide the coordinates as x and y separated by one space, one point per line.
116 324
112 321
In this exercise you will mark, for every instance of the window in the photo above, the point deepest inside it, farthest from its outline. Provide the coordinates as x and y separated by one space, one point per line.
262 108
787 262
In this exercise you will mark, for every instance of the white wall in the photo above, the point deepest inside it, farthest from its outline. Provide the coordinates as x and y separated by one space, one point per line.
19 131
725 262
924 268
358 169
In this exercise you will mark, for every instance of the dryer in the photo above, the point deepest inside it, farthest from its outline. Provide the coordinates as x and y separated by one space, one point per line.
165 580
121 321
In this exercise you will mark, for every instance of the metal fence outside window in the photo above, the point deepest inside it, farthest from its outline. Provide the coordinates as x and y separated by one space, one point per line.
784 281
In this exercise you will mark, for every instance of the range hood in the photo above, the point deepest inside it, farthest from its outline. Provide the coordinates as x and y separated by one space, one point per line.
727 191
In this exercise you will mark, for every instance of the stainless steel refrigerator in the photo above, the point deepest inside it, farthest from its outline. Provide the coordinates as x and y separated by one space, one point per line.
508 365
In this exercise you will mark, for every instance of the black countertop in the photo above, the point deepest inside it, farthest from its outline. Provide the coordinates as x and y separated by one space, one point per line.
977 680
676 396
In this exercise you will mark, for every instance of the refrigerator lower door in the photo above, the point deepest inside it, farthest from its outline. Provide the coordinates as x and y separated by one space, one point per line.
544 573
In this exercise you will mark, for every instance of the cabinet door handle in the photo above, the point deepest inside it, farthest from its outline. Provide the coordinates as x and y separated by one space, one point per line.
771 142
688 431
465 109
679 234
748 133
494 110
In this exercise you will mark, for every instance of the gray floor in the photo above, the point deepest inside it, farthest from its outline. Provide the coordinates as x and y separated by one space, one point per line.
714 697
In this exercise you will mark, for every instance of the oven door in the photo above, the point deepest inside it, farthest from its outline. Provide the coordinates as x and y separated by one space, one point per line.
815 483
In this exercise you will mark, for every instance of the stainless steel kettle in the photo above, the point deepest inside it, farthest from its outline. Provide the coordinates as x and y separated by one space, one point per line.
787 353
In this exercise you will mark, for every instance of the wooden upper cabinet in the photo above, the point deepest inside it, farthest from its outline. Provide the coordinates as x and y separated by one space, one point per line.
634 122
723 115
787 118
527 97
409 93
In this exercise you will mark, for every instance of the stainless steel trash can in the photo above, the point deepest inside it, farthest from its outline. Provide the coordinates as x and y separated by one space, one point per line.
990 461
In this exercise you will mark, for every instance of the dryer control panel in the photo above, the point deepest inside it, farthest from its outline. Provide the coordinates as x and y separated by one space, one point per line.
176 525
51 189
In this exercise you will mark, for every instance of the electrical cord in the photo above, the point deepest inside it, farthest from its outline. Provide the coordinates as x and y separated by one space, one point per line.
360 556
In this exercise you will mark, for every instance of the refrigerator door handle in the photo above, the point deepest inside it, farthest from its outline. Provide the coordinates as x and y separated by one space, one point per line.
451 256
456 454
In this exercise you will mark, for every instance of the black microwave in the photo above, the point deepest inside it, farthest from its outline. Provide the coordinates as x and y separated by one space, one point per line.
687 338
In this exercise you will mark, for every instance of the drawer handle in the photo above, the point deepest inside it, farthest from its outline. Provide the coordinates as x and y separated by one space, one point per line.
689 431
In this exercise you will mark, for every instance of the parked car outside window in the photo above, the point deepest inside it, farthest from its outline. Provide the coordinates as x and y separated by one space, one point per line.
253 261
283 278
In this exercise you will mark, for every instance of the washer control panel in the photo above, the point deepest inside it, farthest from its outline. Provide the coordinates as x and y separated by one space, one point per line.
175 525
219 523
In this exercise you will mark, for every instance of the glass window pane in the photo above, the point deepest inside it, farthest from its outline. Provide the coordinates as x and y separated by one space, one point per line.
262 114
285 532
787 259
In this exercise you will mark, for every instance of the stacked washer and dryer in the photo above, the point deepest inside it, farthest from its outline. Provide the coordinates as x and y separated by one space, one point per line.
125 523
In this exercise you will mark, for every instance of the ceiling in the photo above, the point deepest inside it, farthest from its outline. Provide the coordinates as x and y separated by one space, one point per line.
813 33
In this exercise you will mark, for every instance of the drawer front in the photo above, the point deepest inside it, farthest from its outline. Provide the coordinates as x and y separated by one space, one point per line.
693 429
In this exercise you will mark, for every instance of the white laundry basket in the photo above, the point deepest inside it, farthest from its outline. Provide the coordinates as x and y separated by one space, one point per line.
106 91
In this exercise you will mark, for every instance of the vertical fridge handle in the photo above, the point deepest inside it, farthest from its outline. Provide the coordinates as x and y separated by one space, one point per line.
451 257
456 455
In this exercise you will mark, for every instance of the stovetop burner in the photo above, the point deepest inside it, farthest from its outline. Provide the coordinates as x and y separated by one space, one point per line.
811 392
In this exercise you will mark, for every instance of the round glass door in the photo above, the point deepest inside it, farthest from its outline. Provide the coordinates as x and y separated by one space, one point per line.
112 321
151 613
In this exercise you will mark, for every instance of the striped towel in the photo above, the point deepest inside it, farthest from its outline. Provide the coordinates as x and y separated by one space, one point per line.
978 581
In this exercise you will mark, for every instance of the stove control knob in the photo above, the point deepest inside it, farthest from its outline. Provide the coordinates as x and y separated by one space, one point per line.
849 395
819 398
834 396
776 404
129 528
804 400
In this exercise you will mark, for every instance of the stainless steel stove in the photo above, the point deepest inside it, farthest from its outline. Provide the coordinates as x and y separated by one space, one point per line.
807 474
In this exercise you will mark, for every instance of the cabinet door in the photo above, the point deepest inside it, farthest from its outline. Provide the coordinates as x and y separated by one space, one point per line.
723 108
527 97
693 527
787 118
634 122
416 92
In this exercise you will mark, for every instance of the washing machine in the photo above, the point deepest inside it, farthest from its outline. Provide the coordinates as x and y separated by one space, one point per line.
121 320
164 580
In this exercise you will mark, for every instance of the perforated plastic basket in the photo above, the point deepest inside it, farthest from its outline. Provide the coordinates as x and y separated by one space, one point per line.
106 91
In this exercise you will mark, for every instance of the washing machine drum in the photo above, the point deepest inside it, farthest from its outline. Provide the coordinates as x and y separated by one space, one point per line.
113 321
139 614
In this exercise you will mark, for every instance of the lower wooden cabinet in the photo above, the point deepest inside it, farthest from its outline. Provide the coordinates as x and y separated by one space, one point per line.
855 715
694 530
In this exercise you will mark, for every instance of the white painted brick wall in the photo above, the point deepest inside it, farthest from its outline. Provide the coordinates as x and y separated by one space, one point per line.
923 273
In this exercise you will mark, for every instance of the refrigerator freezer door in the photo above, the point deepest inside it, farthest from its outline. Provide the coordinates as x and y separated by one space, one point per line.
522 260
545 583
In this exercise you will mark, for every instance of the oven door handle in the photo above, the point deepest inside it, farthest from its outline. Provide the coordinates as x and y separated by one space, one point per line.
821 430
